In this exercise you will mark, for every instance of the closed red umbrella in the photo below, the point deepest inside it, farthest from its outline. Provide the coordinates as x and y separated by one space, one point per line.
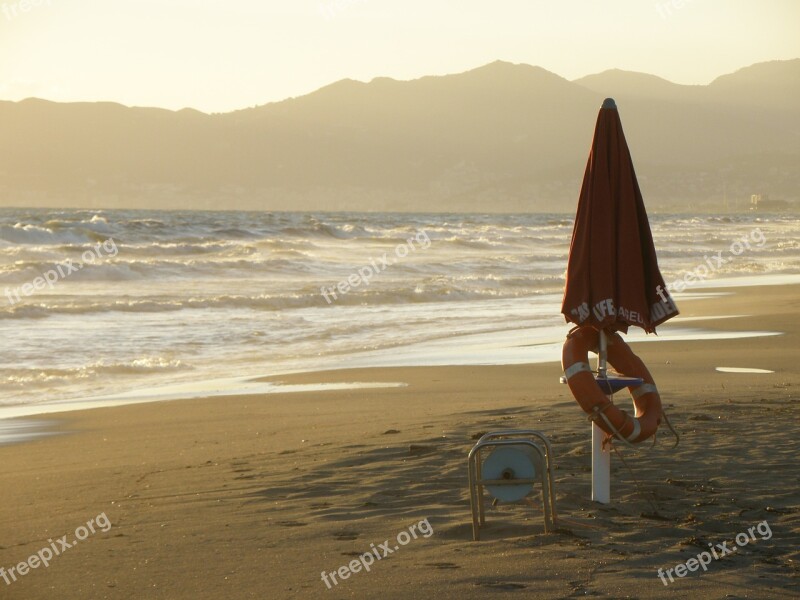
613 279
613 282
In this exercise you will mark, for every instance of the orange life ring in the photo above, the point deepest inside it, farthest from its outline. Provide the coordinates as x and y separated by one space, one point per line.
582 384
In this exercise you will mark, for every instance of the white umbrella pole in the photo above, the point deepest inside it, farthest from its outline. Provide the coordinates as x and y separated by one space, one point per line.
601 457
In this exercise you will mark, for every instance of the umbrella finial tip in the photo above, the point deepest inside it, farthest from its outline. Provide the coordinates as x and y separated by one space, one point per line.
609 103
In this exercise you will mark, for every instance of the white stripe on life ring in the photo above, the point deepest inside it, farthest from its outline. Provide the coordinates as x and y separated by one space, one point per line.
575 368
645 388
637 429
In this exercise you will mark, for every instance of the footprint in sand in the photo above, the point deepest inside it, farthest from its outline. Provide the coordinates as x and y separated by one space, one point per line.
291 523
443 565
503 585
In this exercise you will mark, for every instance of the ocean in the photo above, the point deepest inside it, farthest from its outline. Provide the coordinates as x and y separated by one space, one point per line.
103 302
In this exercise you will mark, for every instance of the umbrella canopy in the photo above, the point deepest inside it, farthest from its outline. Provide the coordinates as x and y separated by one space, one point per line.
613 279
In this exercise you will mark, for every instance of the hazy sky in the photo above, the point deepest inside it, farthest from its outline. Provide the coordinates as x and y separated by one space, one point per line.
220 55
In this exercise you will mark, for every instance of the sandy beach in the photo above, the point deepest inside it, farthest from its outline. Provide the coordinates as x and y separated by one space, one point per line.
257 496
298 300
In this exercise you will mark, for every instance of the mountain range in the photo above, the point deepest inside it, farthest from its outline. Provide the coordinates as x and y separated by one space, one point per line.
502 137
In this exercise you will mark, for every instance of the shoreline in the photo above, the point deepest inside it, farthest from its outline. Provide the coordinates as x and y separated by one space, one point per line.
496 348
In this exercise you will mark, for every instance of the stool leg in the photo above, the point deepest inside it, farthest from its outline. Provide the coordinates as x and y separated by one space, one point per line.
547 507
480 488
472 500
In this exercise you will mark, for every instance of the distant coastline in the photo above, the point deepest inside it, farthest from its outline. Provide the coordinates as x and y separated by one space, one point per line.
403 146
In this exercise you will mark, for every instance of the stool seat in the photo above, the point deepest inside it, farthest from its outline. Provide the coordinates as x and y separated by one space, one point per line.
613 383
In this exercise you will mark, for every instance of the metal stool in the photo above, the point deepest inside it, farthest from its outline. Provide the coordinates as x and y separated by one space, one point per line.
513 466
